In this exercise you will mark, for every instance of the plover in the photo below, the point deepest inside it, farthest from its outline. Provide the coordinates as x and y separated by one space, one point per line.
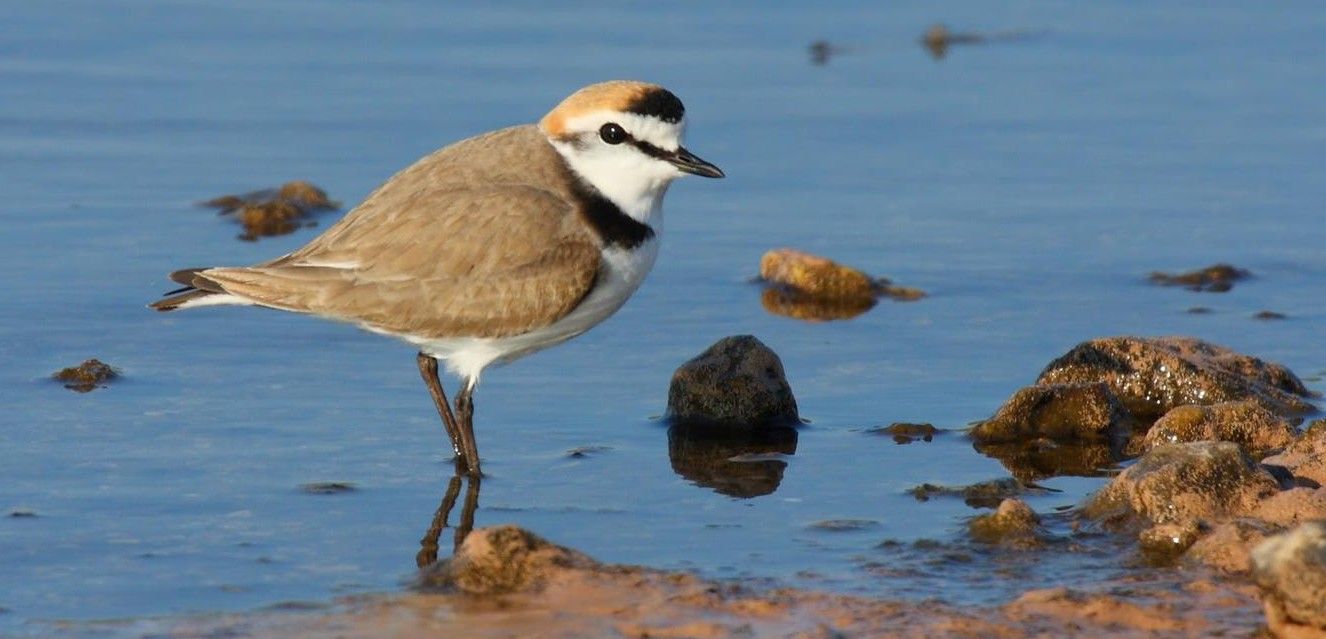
491 248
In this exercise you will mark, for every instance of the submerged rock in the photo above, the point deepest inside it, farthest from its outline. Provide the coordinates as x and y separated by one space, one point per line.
742 466
1164 543
503 559
1152 376
1246 423
90 375
1181 482
736 386
1059 412
985 494
906 433
1290 568
1216 278
274 211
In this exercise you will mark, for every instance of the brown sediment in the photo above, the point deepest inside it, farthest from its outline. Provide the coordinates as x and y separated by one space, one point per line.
276 211
545 590
85 377
1216 278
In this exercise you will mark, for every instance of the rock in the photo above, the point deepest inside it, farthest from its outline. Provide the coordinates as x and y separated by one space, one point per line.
327 488
736 465
503 559
1059 412
815 276
1163 543
88 376
1292 507
276 211
906 433
1228 546
1152 376
1290 569
1306 456
1269 315
1217 278
1181 482
737 385
1013 523
1246 423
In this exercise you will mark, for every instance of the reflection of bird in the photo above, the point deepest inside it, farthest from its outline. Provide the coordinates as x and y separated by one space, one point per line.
491 248
427 554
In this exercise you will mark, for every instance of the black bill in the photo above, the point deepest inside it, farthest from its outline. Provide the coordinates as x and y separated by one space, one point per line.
687 162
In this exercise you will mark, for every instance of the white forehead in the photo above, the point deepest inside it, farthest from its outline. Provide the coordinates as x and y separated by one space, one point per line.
646 128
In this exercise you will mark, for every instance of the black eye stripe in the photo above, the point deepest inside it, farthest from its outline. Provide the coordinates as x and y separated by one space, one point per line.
648 149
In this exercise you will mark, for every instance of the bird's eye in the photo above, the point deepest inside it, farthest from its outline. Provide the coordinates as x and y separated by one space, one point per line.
612 133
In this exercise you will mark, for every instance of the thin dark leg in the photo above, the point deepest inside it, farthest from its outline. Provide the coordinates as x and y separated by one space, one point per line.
428 370
465 421
466 523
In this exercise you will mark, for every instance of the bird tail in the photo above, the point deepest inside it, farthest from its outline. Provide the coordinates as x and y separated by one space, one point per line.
196 287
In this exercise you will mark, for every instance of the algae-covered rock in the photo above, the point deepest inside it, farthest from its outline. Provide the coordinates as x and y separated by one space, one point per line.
1290 568
1059 412
1152 376
90 375
276 211
815 276
503 559
737 385
1164 543
1012 523
1246 423
1216 278
1181 482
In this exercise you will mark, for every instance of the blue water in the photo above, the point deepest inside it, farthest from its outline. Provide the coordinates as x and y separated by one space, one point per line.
1028 185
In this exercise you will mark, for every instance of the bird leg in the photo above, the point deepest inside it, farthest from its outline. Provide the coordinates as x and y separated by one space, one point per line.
428 370
465 422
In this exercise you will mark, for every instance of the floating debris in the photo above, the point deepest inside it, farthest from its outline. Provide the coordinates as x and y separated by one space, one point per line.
581 452
1217 278
938 38
328 488
85 377
1269 315
22 513
1198 310
277 211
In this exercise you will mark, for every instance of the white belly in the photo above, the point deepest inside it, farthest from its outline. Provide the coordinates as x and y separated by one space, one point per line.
620 273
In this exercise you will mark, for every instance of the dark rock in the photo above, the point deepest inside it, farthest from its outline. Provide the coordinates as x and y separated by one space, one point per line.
1012 523
1199 310
1246 423
906 433
85 377
1152 376
1290 569
1037 459
1060 412
1181 482
1269 315
743 466
985 494
737 385
1217 278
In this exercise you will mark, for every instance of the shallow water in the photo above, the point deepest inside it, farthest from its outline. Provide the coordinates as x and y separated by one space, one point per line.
1029 185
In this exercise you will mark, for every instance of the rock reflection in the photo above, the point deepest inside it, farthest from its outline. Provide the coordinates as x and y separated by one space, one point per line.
797 305
735 465
1041 459
427 555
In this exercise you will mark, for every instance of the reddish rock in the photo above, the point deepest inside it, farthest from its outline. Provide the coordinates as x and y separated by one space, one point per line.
1175 483
1290 568
1306 456
1152 376
1228 546
503 559
1246 423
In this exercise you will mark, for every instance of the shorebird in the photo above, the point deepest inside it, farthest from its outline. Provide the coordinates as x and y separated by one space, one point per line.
491 248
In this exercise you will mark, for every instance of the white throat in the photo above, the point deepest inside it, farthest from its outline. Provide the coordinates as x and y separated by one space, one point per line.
636 186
